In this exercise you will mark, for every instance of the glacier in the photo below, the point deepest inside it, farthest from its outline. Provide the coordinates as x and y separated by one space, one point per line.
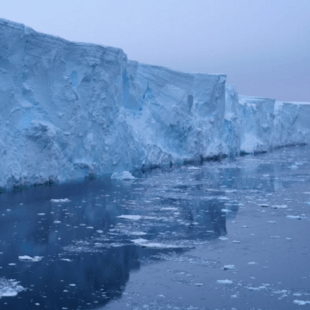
73 110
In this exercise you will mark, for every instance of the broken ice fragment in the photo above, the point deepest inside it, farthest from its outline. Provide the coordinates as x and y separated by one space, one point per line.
225 210
301 302
224 281
60 200
296 217
279 207
125 175
130 217
27 258
223 238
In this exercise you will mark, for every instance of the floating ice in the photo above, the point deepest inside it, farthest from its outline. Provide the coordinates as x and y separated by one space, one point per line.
169 209
130 217
193 168
228 267
60 200
225 210
137 233
27 258
257 288
154 245
279 207
301 302
9 288
224 281
294 217
125 175
223 238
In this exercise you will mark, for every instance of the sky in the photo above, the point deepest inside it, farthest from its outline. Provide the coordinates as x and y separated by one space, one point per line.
263 46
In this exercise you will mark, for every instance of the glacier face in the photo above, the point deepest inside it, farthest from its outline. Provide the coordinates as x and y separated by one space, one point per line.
70 110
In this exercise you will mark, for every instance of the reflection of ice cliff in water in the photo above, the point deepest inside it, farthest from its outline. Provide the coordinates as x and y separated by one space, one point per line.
87 250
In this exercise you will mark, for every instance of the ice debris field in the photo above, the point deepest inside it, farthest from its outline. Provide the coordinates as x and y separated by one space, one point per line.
70 110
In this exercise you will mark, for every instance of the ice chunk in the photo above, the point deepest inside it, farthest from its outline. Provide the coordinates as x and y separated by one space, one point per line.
224 281
294 217
228 267
60 200
27 258
301 302
154 245
223 238
130 217
9 288
125 175
279 207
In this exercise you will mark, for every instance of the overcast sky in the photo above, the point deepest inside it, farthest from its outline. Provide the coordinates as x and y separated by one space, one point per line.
262 45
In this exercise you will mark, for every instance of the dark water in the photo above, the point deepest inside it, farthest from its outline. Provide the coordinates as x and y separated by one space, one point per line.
187 224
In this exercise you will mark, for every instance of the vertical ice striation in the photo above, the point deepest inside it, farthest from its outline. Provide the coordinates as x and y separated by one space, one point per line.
70 110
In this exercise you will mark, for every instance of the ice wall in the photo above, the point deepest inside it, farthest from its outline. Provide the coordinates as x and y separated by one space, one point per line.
70 110
60 109
292 123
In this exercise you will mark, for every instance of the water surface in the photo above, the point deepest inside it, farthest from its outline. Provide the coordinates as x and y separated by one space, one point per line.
224 235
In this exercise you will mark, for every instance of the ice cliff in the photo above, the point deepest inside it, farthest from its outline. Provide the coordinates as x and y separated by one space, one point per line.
70 110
